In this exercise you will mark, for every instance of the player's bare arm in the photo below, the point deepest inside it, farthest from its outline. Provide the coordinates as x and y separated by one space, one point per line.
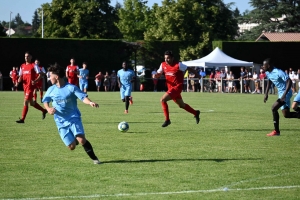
51 110
267 91
157 75
119 82
90 102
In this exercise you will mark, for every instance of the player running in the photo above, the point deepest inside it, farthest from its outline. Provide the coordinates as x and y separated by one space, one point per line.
66 113
83 77
72 72
39 84
125 78
13 74
283 83
27 74
174 72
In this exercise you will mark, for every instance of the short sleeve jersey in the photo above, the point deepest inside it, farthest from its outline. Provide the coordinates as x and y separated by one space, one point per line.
126 76
13 74
174 73
42 69
84 73
28 73
279 78
64 100
70 70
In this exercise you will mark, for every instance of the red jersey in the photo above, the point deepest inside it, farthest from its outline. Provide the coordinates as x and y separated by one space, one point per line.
28 73
13 74
262 76
39 84
98 77
174 73
72 74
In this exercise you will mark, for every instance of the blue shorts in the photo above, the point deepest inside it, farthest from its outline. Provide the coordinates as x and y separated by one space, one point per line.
297 98
287 100
125 91
83 85
98 83
69 132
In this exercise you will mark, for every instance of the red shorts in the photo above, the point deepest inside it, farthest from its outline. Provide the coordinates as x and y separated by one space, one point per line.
175 92
15 81
28 93
39 85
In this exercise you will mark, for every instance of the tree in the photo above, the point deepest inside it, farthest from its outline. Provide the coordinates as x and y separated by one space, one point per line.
132 22
79 19
18 20
272 16
35 22
195 23
2 31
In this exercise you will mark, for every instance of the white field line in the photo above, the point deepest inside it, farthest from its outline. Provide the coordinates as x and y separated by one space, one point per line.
160 193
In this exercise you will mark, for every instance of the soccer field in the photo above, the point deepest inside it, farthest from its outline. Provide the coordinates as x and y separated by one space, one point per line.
226 156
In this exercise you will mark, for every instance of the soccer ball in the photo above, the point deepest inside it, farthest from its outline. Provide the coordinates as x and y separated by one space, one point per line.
123 126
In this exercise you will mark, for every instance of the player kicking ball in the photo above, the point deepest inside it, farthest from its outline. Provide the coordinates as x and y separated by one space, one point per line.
66 113
174 73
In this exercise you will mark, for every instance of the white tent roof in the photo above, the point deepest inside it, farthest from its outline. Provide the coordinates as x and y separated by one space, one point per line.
217 58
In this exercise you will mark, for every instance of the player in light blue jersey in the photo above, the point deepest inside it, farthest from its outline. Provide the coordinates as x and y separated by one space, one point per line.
125 78
83 77
66 113
283 83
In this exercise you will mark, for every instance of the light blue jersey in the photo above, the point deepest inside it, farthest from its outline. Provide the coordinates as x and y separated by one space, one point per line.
64 100
125 79
279 78
84 73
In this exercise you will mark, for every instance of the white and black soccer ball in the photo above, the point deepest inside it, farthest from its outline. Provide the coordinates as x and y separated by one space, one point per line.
123 126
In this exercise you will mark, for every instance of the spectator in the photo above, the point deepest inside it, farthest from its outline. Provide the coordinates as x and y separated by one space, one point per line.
223 80
230 79
203 75
194 82
255 79
106 82
211 82
262 82
247 79
242 78
113 80
293 77
218 79
98 80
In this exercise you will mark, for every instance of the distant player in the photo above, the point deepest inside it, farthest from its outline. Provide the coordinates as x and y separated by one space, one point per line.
174 72
66 113
13 74
125 78
40 83
283 83
27 74
83 77
72 72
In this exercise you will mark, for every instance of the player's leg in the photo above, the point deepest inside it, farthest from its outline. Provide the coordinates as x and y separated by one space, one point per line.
34 94
35 104
164 99
128 98
86 85
188 108
275 114
41 93
122 94
286 107
25 109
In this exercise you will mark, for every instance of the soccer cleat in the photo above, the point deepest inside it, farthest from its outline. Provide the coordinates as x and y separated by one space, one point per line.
97 162
130 100
197 116
44 114
274 133
20 121
166 123
126 112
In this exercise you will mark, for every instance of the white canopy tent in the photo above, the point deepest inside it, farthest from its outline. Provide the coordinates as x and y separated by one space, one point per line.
217 58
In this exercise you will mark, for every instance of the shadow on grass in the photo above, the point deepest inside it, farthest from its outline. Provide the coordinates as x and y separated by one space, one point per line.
180 160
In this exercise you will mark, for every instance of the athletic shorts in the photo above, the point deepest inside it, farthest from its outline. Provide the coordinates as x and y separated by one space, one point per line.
287 100
125 91
83 85
98 83
28 93
297 98
68 133
175 93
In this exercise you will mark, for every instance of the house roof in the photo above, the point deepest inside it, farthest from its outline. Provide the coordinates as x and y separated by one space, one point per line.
279 37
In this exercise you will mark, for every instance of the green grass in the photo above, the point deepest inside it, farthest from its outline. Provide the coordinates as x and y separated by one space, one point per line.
229 148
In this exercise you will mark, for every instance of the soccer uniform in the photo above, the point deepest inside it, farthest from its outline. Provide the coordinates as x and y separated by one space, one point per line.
28 73
125 79
39 84
279 78
98 79
67 115
174 78
14 76
72 76
83 82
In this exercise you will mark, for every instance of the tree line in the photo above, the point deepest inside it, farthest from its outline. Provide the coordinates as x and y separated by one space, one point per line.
196 23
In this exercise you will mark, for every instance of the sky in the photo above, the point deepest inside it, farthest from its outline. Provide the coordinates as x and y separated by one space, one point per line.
26 8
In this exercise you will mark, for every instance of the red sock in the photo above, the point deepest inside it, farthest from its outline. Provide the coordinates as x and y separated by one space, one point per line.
188 108
24 112
165 109
34 96
41 93
37 106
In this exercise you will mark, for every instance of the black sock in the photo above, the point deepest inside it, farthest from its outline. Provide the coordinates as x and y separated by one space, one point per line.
293 115
276 121
126 103
89 150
